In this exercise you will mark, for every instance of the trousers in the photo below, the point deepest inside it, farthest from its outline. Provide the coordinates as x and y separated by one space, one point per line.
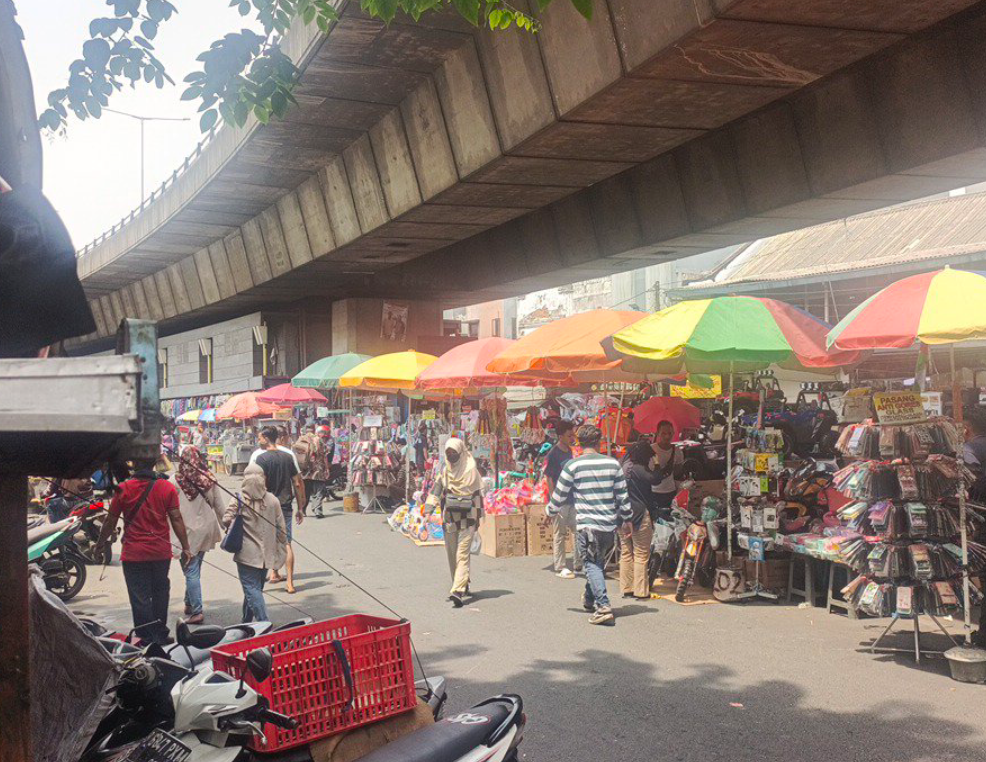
149 590
458 543
595 547
564 524
252 581
315 492
193 583
634 559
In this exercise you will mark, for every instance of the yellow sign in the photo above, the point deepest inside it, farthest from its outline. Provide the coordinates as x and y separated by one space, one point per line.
762 462
899 407
690 392
428 415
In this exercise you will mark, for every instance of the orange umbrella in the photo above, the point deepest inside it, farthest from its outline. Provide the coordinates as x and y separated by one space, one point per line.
570 348
245 405
464 367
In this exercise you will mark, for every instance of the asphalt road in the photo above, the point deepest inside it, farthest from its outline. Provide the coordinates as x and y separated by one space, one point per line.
667 682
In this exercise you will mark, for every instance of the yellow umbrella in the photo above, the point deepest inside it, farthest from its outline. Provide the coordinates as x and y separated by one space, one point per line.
397 370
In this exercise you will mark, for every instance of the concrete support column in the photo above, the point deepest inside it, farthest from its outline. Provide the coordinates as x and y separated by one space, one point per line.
357 326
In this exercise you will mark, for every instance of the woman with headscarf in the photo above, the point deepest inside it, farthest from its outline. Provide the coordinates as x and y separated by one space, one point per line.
458 489
201 507
635 547
265 539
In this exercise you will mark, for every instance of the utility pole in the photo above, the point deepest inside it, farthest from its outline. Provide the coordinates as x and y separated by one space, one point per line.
142 120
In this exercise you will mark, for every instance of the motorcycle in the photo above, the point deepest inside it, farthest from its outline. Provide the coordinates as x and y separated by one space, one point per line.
698 546
52 548
806 494
86 538
336 482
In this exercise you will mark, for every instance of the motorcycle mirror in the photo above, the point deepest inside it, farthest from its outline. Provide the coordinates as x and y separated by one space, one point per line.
202 637
260 664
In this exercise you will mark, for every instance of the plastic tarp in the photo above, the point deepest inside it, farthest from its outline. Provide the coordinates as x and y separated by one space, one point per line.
70 674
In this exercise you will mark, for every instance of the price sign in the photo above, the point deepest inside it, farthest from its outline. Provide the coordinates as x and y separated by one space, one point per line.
428 415
899 407
762 462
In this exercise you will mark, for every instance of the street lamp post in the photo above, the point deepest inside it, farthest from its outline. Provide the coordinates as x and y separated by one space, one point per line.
142 120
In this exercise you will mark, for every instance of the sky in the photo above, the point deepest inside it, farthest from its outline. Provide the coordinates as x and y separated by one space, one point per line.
92 175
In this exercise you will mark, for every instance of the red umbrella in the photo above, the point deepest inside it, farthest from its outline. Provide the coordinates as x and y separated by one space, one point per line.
285 394
681 413
464 367
243 406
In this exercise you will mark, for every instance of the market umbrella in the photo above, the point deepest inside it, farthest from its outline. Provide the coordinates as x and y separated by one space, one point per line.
681 413
324 373
464 367
208 415
189 415
286 394
724 335
941 307
244 405
569 347
394 371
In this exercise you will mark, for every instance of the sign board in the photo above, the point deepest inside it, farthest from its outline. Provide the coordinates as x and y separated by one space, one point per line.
689 392
756 548
428 415
373 420
899 407
932 403
763 462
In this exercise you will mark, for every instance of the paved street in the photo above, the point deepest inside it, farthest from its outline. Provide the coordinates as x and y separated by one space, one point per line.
716 682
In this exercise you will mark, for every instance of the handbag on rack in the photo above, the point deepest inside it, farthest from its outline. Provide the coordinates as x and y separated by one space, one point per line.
233 541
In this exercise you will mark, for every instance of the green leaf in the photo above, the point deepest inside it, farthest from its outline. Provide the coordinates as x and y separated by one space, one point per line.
142 42
279 104
469 9
262 114
208 120
191 93
584 7
240 113
149 29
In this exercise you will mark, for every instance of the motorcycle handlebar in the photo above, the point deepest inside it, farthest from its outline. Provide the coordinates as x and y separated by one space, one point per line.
278 719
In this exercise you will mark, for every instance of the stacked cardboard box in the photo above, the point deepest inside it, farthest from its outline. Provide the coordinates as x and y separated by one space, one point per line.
504 536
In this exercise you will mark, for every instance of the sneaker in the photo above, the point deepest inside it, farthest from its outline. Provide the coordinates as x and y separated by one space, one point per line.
456 599
587 603
602 615
566 574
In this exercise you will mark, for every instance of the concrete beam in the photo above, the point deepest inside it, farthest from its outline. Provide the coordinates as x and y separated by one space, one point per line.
221 270
428 141
339 202
315 217
293 227
361 168
393 159
207 276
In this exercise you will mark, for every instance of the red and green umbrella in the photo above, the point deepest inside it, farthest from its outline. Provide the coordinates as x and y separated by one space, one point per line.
727 334
941 307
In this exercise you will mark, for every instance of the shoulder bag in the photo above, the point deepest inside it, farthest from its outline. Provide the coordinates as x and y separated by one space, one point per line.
233 541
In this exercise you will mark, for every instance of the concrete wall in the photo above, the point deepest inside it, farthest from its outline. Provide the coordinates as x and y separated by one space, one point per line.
356 325
232 359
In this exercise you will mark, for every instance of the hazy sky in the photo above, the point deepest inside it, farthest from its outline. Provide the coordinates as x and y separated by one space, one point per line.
92 175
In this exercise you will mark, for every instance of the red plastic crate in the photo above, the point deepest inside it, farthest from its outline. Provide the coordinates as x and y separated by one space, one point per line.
308 680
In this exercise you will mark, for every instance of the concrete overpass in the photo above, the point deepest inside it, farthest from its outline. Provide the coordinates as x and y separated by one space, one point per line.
438 162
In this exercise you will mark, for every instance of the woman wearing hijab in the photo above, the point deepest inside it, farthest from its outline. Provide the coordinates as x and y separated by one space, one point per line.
265 540
201 509
635 547
458 489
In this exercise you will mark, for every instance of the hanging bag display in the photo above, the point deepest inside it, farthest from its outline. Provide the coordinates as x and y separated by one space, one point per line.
233 541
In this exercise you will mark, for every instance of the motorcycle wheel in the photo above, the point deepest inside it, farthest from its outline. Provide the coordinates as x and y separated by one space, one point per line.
67 581
687 569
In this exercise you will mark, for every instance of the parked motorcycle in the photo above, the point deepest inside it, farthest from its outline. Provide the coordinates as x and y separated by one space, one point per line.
86 538
698 547
52 548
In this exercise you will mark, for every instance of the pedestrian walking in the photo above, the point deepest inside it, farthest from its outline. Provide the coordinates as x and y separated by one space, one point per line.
283 478
635 548
458 489
595 484
558 456
309 451
148 504
201 506
265 539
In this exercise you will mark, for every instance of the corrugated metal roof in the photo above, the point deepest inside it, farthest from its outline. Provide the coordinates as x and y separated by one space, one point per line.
911 233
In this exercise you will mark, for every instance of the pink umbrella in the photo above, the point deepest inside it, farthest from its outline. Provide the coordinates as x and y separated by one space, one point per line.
682 414
285 394
464 367
244 405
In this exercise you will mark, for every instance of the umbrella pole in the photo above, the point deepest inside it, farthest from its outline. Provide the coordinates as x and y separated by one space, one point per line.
957 411
729 470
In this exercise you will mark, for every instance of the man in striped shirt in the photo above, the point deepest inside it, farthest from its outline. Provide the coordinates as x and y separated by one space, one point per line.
595 484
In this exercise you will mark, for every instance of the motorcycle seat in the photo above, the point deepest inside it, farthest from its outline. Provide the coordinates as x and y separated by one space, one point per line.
46 530
448 740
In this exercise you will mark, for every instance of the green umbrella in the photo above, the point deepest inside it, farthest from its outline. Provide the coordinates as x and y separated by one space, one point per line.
324 373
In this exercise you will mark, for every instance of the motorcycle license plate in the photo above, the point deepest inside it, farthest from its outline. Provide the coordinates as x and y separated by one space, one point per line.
159 746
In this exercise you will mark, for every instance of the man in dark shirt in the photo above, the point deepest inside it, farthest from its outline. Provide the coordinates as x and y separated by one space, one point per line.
283 480
148 505
558 456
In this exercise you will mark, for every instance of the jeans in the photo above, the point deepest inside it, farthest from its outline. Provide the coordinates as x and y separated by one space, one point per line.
565 523
149 590
595 547
315 492
252 580
193 584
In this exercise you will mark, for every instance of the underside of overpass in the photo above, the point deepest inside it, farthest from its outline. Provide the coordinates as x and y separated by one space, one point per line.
434 161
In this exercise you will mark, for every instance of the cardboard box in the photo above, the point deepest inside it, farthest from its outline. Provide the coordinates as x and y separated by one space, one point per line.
504 536
773 573
540 534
